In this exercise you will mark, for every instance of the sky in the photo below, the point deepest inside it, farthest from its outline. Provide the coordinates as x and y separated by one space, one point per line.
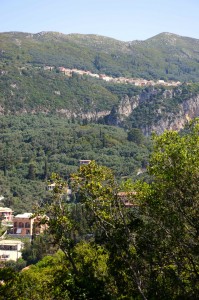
124 20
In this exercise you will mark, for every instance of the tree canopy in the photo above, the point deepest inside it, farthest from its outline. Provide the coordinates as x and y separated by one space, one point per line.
146 250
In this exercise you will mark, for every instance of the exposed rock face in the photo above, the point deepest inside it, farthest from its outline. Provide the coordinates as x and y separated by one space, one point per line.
127 105
188 110
168 94
89 116
1 110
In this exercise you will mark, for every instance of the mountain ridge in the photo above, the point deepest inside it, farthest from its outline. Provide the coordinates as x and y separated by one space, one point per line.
26 87
41 33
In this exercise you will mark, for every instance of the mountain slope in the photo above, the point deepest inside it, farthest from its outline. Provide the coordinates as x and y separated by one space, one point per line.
166 55
31 81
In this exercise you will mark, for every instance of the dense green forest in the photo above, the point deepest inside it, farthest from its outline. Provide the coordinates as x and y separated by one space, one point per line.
99 248
32 147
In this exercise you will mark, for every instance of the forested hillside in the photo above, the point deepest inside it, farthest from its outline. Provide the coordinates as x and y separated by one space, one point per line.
106 247
33 147
31 80
129 229
50 120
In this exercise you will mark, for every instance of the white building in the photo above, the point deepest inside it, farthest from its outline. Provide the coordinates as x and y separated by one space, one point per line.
10 249
84 162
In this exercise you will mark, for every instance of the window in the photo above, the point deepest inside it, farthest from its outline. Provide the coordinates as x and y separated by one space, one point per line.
21 225
8 247
4 256
27 225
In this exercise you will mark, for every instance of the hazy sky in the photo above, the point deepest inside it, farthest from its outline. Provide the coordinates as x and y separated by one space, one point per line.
125 20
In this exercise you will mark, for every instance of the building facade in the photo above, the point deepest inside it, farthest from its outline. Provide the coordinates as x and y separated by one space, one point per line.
26 224
10 249
6 214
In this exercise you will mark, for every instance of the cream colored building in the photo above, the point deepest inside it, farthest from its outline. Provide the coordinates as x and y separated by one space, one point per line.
10 249
84 162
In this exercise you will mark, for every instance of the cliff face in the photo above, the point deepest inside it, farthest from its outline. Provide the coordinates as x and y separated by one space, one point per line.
188 110
155 111
90 116
127 105
149 111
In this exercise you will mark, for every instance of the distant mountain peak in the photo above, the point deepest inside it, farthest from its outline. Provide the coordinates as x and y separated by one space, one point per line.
169 34
164 35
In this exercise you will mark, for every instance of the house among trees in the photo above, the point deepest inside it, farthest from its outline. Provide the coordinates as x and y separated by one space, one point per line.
51 186
10 249
26 224
127 198
84 162
6 214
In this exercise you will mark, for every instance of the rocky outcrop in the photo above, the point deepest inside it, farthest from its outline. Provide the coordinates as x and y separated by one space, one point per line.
127 105
1 110
188 110
94 115
162 120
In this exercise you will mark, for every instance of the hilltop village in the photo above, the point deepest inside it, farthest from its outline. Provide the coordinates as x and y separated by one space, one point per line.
135 81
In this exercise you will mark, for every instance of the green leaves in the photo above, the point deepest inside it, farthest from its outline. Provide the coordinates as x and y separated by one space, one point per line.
147 250
33 147
94 182
170 205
